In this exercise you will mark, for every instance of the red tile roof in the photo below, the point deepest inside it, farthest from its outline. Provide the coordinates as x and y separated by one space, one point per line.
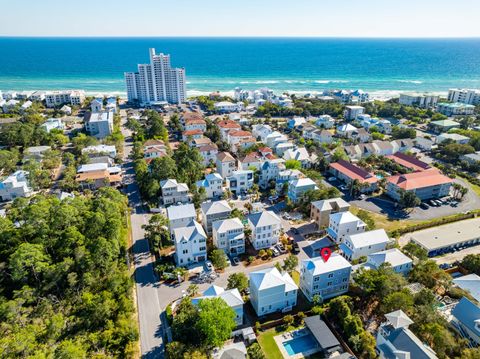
195 121
240 134
228 124
427 178
408 161
187 116
192 132
354 172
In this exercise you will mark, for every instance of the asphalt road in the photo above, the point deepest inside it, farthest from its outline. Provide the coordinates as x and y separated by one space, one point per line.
148 303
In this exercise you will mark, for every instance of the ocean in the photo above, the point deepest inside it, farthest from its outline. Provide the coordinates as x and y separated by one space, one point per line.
383 67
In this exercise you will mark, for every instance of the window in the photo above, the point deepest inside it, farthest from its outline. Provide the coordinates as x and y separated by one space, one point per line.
329 284
330 275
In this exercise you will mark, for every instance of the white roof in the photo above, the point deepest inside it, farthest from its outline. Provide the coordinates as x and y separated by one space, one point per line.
99 148
393 256
189 232
369 238
344 217
470 283
37 149
92 167
271 277
302 182
347 128
232 297
398 319
216 207
212 176
227 224
264 218
181 211
171 183
300 154
318 266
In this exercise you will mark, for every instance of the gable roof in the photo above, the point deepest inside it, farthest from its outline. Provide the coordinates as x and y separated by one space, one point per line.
398 319
470 283
468 314
344 217
215 207
330 204
318 266
227 224
324 336
188 233
354 172
181 211
225 157
408 161
264 218
393 256
270 278
369 238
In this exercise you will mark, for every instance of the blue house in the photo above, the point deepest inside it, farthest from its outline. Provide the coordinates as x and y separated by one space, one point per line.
467 320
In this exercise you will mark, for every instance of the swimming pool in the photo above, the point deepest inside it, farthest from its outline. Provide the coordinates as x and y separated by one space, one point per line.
299 345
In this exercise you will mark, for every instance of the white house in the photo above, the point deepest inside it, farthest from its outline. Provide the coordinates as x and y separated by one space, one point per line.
174 192
351 112
297 188
325 121
53 124
212 184
327 279
261 131
400 262
214 211
209 153
232 297
269 171
99 150
226 164
265 226
99 124
365 243
229 235
283 147
227 106
190 244
347 130
300 154
96 105
343 224
395 340
195 124
180 216
240 181
455 137
322 136
14 186
272 291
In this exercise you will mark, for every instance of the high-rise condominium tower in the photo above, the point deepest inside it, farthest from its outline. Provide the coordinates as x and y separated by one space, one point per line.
156 81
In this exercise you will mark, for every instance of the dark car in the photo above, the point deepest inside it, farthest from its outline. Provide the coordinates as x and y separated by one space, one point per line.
423 205
235 261
295 248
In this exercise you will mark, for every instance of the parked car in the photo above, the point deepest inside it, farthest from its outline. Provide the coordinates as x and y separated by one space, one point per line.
235 261
275 251
295 248
287 217
331 179
209 266
280 248
424 205
433 203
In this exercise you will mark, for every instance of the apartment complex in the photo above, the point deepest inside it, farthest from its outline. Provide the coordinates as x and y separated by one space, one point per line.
467 96
156 82
99 124
71 97
418 99
425 184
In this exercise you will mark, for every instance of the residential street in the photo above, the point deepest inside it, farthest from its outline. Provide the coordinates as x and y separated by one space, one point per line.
149 309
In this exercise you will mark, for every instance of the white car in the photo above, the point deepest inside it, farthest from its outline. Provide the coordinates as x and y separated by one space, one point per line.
209 266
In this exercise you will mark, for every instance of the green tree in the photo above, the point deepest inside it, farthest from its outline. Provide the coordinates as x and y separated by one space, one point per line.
157 232
237 280
414 250
293 164
290 263
215 323
8 161
367 218
398 300
254 351
471 262
29 262
408 199
219 259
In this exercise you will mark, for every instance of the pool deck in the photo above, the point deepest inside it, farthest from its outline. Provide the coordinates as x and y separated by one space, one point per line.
280 339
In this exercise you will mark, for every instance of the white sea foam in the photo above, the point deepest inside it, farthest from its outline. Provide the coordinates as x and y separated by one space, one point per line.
416 82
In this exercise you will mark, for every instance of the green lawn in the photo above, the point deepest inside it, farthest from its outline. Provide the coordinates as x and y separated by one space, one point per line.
269 347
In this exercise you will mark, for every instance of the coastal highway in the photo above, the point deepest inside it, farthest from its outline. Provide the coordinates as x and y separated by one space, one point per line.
148 303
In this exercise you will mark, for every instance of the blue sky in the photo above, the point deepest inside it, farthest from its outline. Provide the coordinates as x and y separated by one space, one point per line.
337 18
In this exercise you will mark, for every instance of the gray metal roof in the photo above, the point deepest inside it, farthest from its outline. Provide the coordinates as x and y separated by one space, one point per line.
322 333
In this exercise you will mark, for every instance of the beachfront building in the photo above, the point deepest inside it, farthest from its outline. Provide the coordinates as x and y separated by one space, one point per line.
395 340
229 235
212 184
266 228
240 181
362 244
14 186
344 224
174 192
226 164
455 109
351 112
156 82
232 297
99 124
327 279
426 184
58 98
399 262
348 172
298 187
320 211
190 244
214 211
419 100
272 291
467 96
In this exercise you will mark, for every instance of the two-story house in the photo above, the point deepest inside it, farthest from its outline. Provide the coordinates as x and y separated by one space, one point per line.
272 291
327 279
212 184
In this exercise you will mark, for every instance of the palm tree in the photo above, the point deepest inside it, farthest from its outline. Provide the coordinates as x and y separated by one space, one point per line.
192 290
